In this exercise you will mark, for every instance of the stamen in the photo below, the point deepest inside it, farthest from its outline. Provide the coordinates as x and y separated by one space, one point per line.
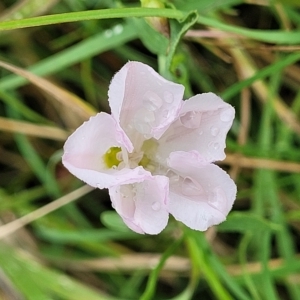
125 156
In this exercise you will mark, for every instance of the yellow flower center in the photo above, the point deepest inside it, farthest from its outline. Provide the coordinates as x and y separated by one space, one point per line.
110 157
145 157
149 148
144 161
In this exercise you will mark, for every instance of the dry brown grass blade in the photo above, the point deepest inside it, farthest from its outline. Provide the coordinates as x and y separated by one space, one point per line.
130 263
147 261
13 226
247 69
260 163
27 128
69 100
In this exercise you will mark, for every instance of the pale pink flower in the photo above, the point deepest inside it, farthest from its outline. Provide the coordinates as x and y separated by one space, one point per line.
155 152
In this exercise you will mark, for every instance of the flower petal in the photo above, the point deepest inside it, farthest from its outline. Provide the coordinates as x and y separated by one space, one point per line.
202 194
202 126
85 148
143 101
142 206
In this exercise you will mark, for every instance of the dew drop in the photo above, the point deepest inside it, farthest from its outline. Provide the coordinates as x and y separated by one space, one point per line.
142 119
149 117
214 145
152 101
214 131
127 191
168 97
118 29
155 206
226 115
165 114
191 119
200 132
142 127
191 188
108 33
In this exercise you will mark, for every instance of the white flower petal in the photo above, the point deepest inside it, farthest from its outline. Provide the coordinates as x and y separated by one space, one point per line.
85 148
144 102
202 126
203 194
142 206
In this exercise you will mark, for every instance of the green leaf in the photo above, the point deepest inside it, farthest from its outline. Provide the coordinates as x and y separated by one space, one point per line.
289 2
153 278
153 40
87 48
178 29
205 6
80 236
37 282
269 36
113 221
263 73
242 222
112 13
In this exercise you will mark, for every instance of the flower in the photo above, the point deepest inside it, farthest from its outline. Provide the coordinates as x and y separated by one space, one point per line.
155 152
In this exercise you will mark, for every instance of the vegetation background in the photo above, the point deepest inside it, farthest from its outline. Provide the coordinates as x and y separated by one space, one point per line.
62 240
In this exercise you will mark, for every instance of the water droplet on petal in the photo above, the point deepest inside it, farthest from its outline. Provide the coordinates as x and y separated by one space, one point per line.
218 199
168 97
142 127
165 114
142 119
226 115
128 192
152 101
118 29
191 119
214 131
214 145
108 33
190 187
200 132
149 117
156 205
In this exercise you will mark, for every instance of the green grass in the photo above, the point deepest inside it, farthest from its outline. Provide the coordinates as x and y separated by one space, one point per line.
56 63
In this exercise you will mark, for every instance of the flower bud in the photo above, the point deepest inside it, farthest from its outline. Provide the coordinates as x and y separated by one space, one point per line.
158 23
